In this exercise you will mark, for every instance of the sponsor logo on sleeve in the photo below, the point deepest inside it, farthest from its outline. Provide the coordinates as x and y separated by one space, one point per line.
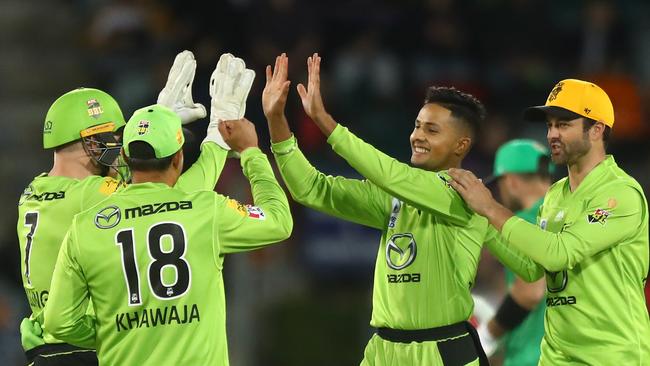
255 212
599 216
108 217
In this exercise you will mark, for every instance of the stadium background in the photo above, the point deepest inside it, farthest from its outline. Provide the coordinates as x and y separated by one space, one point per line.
308 300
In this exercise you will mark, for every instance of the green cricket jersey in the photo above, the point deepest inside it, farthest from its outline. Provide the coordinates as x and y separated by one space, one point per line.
595 253
430 243
46 208
150 257
522 343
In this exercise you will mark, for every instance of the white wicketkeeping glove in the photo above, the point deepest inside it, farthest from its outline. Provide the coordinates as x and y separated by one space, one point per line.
229 86
484 312
177 93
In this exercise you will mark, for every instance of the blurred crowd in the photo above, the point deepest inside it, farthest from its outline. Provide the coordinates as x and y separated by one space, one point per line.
309 299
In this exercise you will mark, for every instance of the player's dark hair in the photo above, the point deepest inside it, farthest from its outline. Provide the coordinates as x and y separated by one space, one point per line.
463 106
143 158
588 123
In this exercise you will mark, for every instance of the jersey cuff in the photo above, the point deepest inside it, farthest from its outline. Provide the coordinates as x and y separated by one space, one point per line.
338 134
284 147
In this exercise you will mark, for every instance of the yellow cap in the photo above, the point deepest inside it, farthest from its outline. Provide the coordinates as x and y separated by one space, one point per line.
571 99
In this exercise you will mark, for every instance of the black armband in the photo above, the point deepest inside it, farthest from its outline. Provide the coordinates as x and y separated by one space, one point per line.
510 314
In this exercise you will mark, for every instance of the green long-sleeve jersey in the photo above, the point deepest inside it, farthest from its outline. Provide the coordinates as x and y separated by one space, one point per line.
594 249
46 208
430 241
150 257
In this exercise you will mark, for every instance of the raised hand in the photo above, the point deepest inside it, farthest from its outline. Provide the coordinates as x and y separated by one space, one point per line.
239 134
229 86
311 98
478 197
177 93
274 96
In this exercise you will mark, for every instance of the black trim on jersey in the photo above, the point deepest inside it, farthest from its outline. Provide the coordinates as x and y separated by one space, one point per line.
63 349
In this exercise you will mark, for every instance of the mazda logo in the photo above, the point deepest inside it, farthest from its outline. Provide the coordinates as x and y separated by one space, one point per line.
406 256
108 217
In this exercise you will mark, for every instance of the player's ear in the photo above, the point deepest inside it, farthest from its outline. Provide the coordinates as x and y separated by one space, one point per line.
177 161
463 144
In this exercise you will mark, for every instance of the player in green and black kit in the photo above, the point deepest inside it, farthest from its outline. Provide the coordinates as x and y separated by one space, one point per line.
80 128
150 256
592 239
522 172
430 244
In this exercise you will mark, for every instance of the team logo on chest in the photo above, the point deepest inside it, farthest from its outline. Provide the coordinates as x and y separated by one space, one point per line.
401 251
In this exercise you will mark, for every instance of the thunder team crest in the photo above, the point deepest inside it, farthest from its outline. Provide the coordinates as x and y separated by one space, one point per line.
143 127
94 108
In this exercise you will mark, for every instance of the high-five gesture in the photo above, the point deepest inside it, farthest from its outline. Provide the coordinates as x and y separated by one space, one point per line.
312 100
177 93
274 96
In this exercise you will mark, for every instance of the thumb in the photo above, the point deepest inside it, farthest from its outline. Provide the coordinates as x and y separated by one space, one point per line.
302 92
223 129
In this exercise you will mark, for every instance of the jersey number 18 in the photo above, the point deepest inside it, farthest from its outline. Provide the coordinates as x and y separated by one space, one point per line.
160 259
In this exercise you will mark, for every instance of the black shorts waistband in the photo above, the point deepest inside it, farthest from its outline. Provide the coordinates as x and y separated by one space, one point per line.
423 335
51 349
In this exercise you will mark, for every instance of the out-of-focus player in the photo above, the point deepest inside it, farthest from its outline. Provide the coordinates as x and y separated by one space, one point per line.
150 256
522 171
81 128
430 244
592 238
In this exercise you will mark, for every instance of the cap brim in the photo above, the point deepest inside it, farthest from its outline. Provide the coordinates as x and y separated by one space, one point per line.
539 113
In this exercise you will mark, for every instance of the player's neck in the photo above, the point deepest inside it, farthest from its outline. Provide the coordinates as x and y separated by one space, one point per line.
72 164
166 177
583 166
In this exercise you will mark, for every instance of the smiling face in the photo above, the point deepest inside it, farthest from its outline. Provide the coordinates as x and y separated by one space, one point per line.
567 140
438 141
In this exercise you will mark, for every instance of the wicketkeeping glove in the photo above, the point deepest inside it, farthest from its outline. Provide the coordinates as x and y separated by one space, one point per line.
229 86
31 334
177 93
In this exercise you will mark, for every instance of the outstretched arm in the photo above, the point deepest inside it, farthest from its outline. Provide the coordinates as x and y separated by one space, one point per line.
350 199
423 189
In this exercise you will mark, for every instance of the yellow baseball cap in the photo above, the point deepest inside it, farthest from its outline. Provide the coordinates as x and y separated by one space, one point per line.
571 99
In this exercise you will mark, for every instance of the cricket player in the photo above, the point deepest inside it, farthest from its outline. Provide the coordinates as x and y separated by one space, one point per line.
150 256
522 171
79 128
592 238
430 243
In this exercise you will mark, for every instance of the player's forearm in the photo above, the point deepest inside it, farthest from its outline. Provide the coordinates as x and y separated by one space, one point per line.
516 261
278 128
326 124
349 199
205 172
543 247
267 193
79 331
